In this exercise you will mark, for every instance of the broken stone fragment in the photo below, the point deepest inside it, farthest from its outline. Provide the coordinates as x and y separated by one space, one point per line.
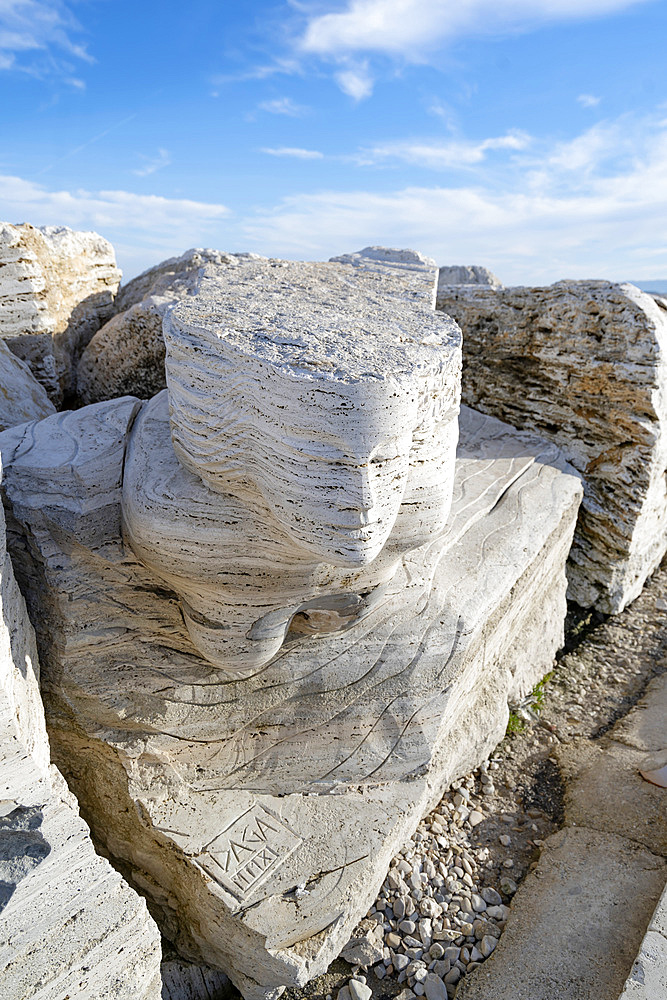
126 356
69 924
584 364
56 289
21 396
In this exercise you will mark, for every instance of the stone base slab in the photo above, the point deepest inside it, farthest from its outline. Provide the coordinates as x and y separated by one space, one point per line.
260 815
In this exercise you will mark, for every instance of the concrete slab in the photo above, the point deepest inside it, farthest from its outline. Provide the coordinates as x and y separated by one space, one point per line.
576 922
610 795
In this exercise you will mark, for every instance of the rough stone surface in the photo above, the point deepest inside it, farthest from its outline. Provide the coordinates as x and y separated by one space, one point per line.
172 277
584 879
583 363
260 814
69 925
21 396
56 290
648 977
126 356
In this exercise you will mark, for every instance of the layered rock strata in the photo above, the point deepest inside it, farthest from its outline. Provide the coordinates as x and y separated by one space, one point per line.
21 396
56 289
319 407
126 356
260 813
69 924
583 363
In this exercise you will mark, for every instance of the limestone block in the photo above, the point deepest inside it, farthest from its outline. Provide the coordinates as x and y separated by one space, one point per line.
458 274
583 363
576 922
21 396
56 290
414 276
69 924
126 356
321 389
260 813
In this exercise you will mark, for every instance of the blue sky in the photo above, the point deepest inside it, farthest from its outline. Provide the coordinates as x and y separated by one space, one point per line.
529 136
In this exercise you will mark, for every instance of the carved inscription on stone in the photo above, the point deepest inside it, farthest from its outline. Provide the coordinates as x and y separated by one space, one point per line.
248 851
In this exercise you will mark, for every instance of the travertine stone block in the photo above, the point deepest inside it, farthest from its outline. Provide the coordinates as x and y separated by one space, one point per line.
260 813
69 924
319 388
56 290
461 274
126 356
583 363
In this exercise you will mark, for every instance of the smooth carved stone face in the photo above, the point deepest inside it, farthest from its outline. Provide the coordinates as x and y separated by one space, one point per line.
314 385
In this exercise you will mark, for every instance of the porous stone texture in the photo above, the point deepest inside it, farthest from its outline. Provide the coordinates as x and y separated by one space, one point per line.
260 813
126 356
56 289
414 275
69 924
21 396
583 363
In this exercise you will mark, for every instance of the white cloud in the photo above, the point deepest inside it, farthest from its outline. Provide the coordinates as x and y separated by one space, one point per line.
441 155
411 27
147 227
356 82
153 163
39 37
541 221
296 152
588 100
413 30
283 106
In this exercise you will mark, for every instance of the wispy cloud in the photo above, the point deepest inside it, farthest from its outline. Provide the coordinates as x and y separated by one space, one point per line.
588 100
153 163
286 65
443 155
283 106
541 221
412 27
356 81
181 221
296 152
41 37
411 30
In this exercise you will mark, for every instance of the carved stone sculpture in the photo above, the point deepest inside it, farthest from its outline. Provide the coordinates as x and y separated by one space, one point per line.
309 450
256 699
